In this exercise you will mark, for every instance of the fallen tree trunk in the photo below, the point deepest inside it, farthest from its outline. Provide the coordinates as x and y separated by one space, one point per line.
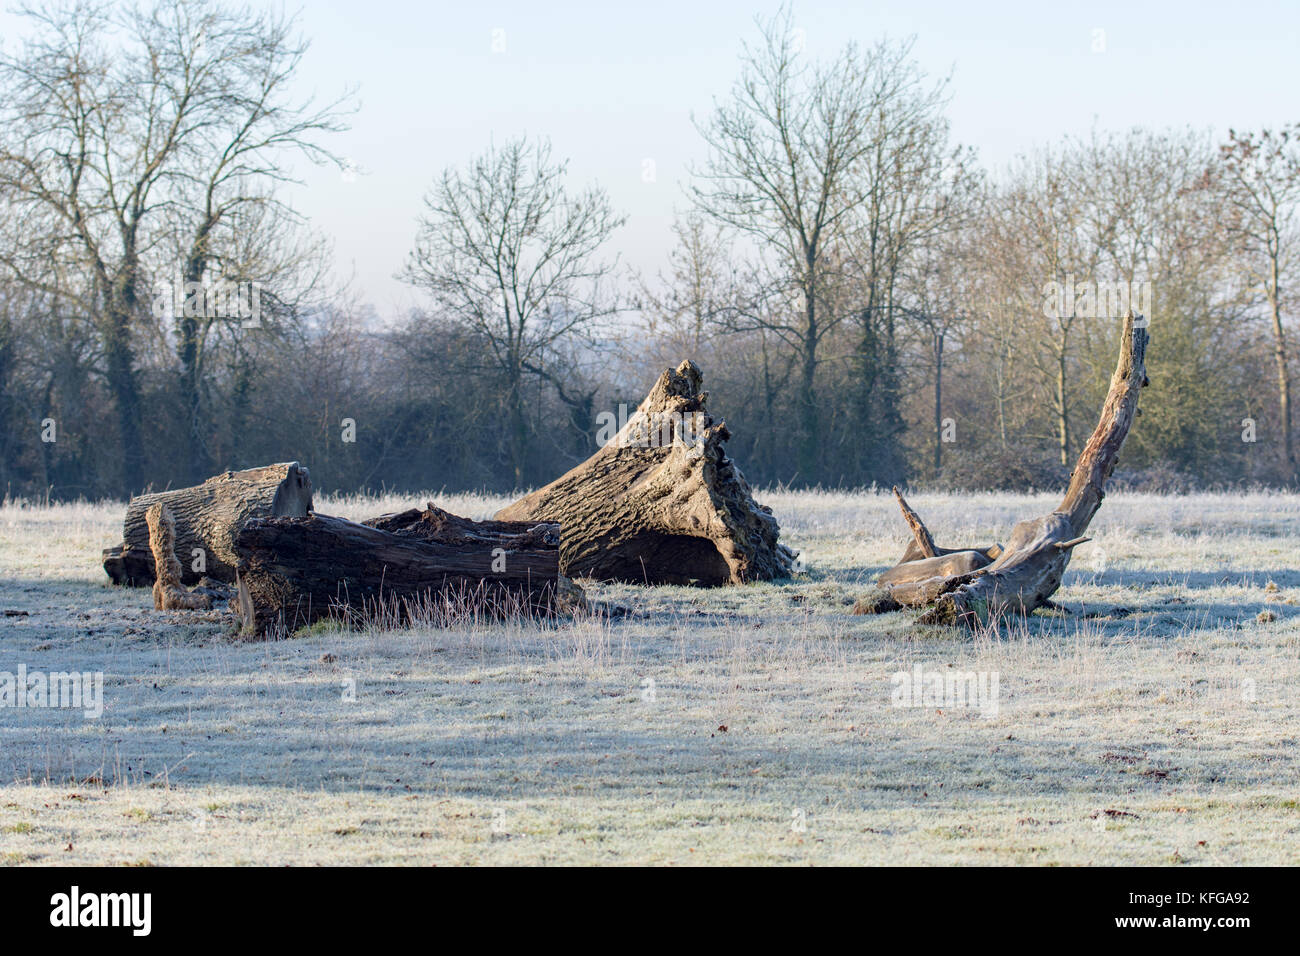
976 586
207 517
294 571
661 503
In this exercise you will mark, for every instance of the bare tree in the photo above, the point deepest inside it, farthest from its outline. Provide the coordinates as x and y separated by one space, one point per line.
1259 176
506 249
231 225
784 171
690 305
918 189
119 126
1037 234
940 314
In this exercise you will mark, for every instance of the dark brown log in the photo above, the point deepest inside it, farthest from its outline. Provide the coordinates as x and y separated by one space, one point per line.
129 567
661 503
1028 572
434 524
207 517
294 571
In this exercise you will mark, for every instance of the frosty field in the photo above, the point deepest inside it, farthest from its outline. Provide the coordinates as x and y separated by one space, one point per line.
1158 722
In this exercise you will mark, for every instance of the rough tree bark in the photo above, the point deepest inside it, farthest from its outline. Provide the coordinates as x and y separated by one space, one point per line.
168 593
977 585
207 517
661 503
293 571
433 524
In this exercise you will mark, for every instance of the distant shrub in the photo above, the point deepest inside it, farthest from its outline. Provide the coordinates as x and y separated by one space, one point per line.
1158 479
994 468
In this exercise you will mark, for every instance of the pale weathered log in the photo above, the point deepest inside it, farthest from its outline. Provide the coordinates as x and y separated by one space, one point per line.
924 540
919 582
207 517
294 571
661 503
1028 572
168 592
922 544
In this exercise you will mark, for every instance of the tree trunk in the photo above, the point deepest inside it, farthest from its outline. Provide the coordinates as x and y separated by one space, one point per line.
865 379
188 351
47 447
294 571
889 465
809 422
120 361
208 516
1283 376
661 503
938 403
516 424
1062 409
976 586
6 364
189 347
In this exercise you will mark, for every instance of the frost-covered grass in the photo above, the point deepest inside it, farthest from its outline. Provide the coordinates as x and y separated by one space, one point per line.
1159 722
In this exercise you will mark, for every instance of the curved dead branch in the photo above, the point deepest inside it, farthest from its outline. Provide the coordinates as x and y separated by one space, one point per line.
974 586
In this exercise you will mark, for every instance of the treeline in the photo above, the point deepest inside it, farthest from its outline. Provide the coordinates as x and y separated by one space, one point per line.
868 303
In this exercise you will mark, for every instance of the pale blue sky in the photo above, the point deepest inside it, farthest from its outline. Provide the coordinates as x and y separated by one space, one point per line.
615 84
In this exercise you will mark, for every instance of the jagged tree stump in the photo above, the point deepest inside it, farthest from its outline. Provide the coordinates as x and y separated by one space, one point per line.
207 517
294 571
661 503
977 585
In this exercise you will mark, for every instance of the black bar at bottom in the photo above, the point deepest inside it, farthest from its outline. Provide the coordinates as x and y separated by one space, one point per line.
579 907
